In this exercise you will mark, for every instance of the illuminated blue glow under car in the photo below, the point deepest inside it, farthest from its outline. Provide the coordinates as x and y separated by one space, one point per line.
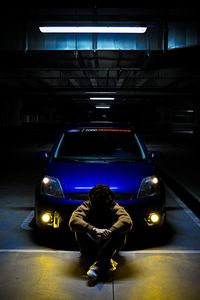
86 154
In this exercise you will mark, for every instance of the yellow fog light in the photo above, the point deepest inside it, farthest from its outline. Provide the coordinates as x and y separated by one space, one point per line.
153 218
46 217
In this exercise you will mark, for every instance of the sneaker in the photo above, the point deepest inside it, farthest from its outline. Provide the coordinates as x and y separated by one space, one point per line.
94 271
111 265
100 268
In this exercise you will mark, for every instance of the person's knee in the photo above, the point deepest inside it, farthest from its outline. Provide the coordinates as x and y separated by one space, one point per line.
119 237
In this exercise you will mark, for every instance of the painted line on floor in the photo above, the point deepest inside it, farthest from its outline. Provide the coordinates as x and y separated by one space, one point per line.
27 221
188 211
170 251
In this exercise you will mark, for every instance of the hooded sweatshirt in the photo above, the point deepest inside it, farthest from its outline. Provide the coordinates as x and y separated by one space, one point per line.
114 218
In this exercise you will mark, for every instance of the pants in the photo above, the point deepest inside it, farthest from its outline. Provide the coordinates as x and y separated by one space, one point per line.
104 250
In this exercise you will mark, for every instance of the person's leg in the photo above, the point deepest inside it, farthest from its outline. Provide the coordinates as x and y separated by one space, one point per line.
111 247
104 260
87 246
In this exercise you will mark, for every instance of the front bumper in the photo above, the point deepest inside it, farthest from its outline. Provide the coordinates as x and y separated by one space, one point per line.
60 210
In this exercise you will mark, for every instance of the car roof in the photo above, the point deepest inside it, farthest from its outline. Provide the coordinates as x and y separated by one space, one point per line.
99 124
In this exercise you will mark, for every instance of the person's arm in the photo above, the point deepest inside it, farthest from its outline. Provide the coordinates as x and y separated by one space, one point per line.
123 222
78 220
122 225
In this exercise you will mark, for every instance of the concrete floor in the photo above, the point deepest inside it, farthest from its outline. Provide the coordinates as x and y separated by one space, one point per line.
46 267
58 275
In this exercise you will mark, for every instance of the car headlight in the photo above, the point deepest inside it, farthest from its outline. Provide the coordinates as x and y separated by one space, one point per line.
150 186
51 186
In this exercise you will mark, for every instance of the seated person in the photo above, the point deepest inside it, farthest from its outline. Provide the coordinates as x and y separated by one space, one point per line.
100 226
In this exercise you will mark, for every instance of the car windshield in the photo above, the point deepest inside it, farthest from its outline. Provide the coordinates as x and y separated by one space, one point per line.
99 144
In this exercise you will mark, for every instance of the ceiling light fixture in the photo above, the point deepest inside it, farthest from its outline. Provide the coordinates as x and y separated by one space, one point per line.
103 106
100 92
102 98
92 29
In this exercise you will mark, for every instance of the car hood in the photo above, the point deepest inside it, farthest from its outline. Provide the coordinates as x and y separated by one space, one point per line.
81 177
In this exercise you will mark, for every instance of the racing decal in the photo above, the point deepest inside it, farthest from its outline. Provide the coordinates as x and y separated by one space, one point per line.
113 130
99 130
106 130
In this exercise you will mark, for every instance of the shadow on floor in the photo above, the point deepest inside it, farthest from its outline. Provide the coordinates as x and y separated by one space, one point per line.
136 240
144 239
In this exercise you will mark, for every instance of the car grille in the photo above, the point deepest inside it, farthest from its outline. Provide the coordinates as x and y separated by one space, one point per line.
84 196
77 196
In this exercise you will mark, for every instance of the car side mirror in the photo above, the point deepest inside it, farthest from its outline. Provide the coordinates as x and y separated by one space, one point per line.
154 155
43 155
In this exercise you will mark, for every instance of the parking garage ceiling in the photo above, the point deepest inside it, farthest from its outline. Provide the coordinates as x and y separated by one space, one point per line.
159 65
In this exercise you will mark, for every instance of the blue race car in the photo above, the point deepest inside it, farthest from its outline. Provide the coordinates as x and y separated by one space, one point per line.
86 154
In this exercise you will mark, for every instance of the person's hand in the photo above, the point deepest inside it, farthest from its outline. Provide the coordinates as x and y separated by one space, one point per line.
101 234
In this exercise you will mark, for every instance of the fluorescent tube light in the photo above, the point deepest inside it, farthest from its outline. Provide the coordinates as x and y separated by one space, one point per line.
103 106
100 92
92 29
102 98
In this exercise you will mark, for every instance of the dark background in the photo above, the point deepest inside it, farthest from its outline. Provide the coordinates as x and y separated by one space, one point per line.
46 80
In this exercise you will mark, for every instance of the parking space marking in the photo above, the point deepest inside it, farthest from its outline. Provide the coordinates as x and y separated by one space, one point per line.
25 224
169 251
188 211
